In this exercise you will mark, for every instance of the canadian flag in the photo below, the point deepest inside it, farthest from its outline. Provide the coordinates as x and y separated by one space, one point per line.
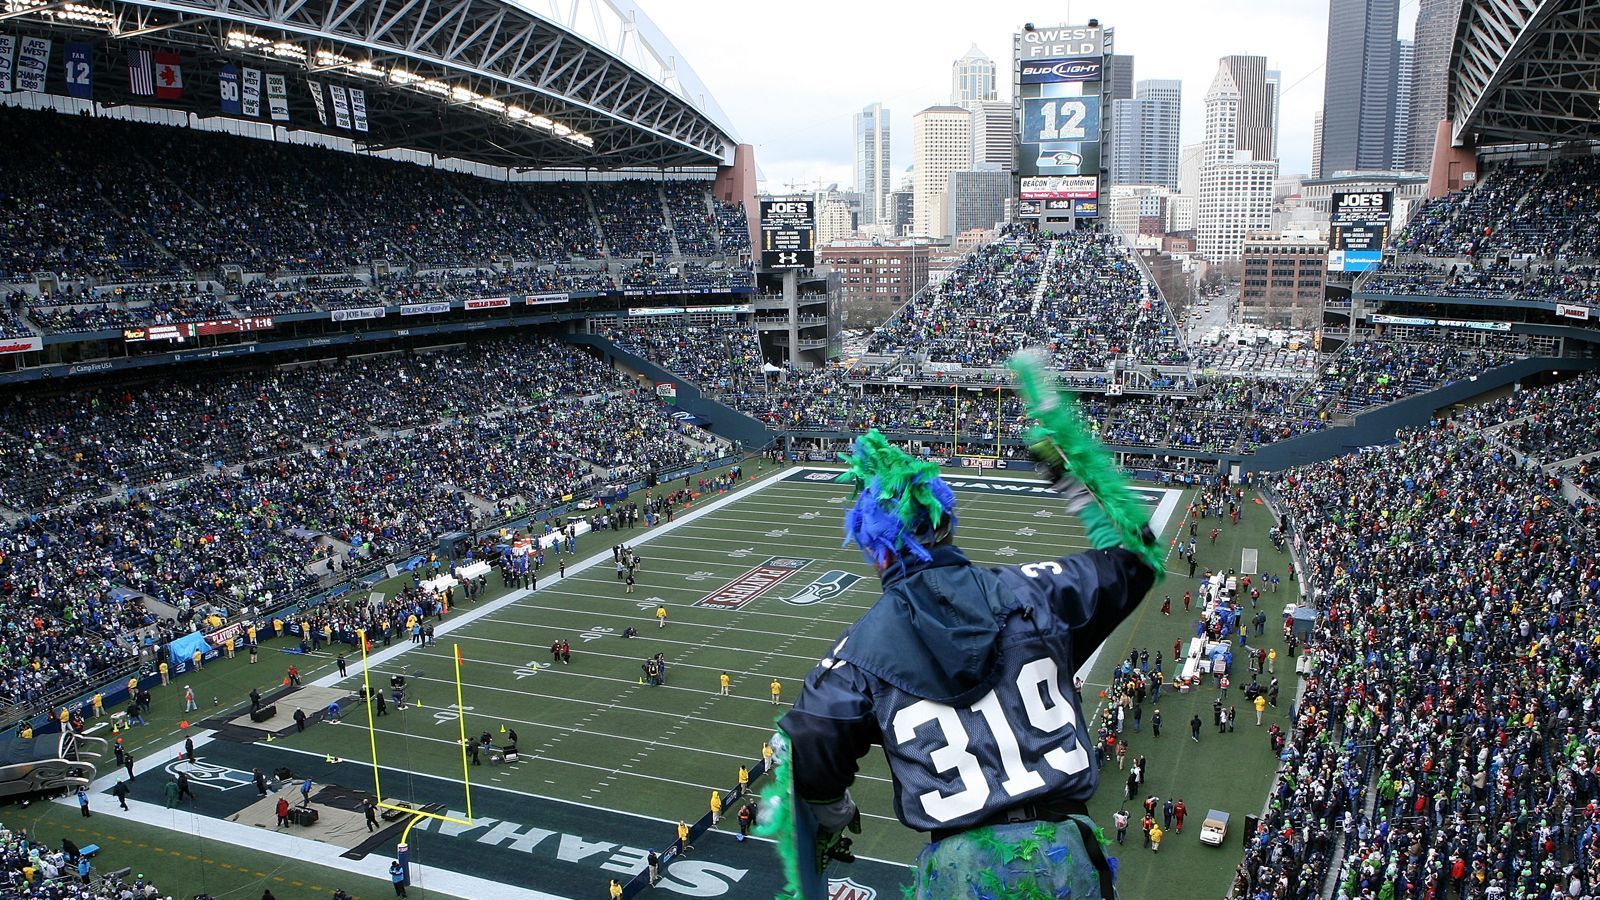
169 77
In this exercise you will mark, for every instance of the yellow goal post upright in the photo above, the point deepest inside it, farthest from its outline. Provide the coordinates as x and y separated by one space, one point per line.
402 854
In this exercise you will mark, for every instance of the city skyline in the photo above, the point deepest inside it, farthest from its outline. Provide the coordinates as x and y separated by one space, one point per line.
802 126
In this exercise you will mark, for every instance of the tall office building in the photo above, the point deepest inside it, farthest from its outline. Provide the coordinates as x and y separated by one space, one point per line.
1358 94
1256 129
1274 90
1316 145
972 79
977 197
943 145
1146 130
1430 78
1235 184
994 134
1405 58
872 161
1118 84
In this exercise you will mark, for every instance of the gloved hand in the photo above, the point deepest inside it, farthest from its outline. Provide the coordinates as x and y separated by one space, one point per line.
1054 467
833 819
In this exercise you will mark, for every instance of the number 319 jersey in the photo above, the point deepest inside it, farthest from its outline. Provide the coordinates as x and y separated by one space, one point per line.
964 675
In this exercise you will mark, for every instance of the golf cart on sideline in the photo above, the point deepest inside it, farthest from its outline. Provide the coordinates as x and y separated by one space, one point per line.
1214 828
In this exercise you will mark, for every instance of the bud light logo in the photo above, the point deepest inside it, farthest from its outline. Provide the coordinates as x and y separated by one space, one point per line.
1058 70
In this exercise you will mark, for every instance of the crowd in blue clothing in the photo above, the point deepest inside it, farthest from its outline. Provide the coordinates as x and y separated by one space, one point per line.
363 461
1446 742
175 201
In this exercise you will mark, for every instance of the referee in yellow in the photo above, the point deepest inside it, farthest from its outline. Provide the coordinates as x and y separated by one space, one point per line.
725 681
777 688
661 616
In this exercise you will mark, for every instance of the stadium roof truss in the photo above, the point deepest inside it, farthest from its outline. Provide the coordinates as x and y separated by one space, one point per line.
565 83
1526 71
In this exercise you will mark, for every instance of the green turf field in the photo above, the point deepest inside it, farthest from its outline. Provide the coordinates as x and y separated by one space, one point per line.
594 738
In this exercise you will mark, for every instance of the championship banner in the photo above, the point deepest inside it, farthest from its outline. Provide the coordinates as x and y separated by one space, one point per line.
278 98
169 76
228 90
487 303
251 95
358 108
20 345
357 314
1569 311
33 62
425 309
545 299
341 106
8 49
316 96
79 69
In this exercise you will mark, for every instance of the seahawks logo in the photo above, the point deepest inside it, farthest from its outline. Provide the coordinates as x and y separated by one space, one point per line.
830 584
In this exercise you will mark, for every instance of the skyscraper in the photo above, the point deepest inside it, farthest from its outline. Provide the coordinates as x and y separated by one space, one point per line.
1405 57
872 161
1146 129
972 79
1235 183
1119 77
1358 94
1256 129
944 145
1430 78
1274 90
1316 145
993 133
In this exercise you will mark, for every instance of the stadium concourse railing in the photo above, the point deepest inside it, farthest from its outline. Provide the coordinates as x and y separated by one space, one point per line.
112 684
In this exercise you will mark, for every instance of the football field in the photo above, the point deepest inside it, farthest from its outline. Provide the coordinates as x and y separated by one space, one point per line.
755 584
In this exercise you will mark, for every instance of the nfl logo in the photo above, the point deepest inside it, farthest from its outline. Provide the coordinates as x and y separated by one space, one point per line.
847 889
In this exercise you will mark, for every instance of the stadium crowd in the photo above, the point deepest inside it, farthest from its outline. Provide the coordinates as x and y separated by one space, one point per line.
31 869
197 201
364 459
1525 232
1452 678
1079 294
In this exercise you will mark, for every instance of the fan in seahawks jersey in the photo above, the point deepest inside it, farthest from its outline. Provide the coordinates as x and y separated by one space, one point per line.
963 673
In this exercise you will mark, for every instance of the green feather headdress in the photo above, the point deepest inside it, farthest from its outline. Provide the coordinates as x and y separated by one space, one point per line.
901 502
1061 439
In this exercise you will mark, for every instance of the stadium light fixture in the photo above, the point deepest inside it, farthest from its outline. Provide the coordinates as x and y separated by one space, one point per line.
241 40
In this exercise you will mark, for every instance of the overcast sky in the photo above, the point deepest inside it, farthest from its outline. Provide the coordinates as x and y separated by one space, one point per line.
790 75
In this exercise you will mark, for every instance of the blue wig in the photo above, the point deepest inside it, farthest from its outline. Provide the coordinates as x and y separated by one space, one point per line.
902 506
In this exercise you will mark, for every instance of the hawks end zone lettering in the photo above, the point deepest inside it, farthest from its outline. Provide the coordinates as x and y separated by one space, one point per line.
753 583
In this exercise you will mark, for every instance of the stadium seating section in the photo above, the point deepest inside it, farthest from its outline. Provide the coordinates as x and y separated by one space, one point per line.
140 237
224 490
1453 677
1527 232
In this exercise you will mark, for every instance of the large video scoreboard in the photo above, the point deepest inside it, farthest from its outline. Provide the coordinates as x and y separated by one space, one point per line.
1359 228
1060 111
788 234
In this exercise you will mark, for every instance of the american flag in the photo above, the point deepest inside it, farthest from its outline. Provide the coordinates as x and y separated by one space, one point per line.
140 81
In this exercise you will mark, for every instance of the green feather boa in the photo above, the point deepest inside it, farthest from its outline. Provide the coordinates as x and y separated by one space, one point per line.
1061 439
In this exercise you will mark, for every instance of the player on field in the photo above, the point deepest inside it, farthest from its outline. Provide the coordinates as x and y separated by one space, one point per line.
963 673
